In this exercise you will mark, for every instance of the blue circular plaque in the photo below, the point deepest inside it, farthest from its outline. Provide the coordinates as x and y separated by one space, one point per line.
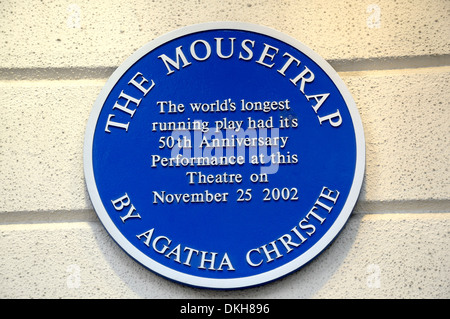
224 155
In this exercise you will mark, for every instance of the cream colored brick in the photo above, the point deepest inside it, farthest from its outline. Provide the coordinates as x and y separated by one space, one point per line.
405 118
63 260
48 253
375 256
42 144
40 34
390 256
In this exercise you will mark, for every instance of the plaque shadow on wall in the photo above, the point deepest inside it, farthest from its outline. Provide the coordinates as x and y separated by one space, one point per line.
303 283
288 204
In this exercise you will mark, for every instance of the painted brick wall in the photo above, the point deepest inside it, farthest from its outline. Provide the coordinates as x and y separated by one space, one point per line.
395 58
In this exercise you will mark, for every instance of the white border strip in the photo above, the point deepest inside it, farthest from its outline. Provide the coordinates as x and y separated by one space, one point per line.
234 282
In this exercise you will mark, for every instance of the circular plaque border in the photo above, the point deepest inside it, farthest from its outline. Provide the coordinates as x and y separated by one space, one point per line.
227 283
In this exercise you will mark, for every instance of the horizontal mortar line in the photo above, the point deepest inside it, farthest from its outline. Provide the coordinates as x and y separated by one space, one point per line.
362 207
56 73
340 65
48 217
407 207
390 63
